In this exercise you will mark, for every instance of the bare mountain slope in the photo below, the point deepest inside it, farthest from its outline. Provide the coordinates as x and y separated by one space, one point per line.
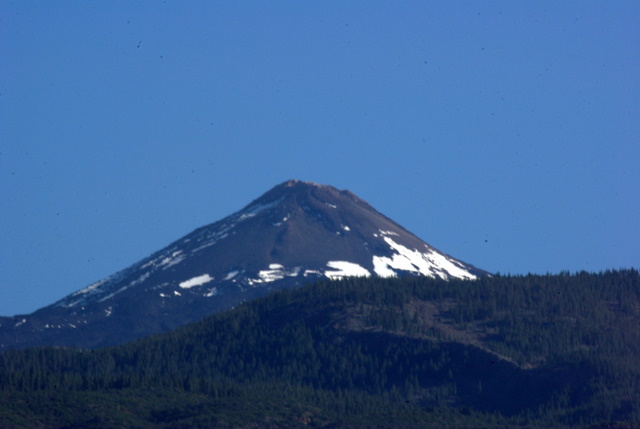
295 233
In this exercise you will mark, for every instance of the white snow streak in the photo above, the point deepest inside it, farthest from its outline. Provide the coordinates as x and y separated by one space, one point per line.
212 292
428 263
381 267
345 269
111 295
175 258
91 287
275 272
212 238
196 281
386 233
254 210
231 274
165 260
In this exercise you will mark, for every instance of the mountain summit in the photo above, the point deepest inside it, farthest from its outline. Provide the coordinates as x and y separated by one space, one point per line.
295 233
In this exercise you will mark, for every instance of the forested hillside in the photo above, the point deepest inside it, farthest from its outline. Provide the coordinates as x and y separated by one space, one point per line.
503 351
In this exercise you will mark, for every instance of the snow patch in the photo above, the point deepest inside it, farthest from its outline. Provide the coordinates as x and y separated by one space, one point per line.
140 279
345 269
382 267
166 260
209 238
137 281
196 281
91 288
230 275
278 224
275 272
257 208
212 292
111 295
270 275
174 259
82 295
430 263
387 233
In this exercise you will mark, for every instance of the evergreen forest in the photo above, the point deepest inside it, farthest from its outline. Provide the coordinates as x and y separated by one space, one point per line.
528 351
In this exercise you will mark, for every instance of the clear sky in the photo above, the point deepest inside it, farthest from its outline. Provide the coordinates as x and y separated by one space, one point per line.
503 133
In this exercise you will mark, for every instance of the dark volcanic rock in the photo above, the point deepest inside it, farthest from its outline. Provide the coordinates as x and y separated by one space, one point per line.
295 233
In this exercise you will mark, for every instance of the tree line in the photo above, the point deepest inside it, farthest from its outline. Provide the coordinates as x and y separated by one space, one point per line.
546 350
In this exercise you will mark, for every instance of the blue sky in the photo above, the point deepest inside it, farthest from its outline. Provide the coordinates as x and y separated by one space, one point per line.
503 133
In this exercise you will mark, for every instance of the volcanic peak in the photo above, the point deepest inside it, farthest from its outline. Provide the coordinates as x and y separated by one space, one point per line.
297 232
300 193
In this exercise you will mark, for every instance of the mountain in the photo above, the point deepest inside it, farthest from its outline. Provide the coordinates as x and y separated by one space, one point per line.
295 233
